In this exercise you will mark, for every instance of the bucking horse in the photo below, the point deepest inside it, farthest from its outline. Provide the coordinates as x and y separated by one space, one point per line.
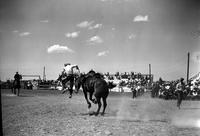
94 84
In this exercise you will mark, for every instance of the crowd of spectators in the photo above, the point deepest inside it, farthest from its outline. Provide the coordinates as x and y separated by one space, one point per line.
167 89
130 79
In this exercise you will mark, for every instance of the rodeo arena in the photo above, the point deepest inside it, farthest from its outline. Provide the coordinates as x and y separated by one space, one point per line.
100 104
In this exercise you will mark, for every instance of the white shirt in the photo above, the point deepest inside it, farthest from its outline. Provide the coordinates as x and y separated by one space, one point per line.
71 69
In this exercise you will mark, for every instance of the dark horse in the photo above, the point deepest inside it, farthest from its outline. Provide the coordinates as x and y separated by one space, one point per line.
64 79
15 86
93 83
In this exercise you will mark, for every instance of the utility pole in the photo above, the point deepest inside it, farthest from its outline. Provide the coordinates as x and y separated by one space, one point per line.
188 66
1 112
44 75
150 72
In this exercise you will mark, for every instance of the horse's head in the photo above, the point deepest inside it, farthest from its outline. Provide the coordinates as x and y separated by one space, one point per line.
78 82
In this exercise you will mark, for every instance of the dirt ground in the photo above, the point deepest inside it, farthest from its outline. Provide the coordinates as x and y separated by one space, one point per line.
50 113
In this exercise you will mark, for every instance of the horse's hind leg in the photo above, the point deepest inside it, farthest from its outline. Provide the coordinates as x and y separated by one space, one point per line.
99 106
104 106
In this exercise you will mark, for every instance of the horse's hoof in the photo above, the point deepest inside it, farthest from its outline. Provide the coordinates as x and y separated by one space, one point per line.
102 114
70 96
91 113
96 114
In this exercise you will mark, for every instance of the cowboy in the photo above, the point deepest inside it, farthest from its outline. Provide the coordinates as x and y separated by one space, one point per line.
180 87
17 77
70 69
69 72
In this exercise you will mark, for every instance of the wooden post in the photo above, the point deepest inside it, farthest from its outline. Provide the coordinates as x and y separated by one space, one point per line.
44 75
188 66
1 112
150 72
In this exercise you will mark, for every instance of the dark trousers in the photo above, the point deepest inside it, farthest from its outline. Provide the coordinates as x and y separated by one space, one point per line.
70 78
134 93
179 98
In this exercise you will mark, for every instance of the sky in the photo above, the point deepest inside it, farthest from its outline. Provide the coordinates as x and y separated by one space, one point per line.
103 35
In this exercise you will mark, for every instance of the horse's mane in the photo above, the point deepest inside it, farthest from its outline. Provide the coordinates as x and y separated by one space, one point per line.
98 75
92 73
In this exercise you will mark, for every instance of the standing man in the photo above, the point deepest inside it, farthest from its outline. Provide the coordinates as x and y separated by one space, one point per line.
69 72
180 87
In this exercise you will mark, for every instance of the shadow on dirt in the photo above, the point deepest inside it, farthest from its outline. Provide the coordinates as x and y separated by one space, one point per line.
190 108
24 95
91 113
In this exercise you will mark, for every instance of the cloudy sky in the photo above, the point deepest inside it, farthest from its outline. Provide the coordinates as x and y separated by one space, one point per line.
104 35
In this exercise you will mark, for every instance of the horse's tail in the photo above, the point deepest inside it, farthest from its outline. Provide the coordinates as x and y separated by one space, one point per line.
111 85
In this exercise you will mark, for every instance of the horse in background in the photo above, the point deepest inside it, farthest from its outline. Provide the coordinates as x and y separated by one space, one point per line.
93 83
15 87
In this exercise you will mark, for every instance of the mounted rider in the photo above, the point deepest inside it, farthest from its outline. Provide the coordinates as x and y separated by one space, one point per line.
68 74
17 78
16 83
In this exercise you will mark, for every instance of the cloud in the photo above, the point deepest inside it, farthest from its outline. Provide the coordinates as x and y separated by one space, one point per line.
113 28
59 49
44 21
72 35
15 31
131 36
95 39
85 24
95 26
24 34
119 1
140 18
196 57
103 0
103 53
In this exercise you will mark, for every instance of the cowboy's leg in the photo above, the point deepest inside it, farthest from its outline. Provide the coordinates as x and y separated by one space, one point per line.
71 86
64 84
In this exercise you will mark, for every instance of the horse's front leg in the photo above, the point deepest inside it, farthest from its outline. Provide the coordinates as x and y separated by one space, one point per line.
93 100
14 91
99 106
18 91
86 98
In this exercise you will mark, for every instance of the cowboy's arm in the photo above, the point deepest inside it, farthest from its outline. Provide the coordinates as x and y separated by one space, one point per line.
177 87
75 66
